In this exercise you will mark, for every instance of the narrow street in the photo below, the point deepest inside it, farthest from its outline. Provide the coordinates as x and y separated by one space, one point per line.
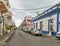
21 38
21 20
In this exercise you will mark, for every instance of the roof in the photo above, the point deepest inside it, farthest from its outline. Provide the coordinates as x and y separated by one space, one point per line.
54 9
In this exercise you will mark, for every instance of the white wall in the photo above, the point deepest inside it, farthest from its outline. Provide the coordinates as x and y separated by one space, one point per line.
45 22
55 22
59 17
59 21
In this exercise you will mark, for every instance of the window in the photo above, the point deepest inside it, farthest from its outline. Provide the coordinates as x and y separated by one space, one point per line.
41 26
28 20
59 26
36 25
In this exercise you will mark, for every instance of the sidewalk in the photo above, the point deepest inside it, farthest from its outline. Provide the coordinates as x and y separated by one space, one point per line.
49 36
5 37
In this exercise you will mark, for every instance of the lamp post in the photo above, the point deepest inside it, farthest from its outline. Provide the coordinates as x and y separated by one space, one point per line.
0 26
0 23
3 21
0 20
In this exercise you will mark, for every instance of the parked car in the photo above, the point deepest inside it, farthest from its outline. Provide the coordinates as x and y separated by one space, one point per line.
29 30
36 32
24 29
58 35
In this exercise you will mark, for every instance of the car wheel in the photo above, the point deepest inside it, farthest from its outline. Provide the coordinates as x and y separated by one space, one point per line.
58 38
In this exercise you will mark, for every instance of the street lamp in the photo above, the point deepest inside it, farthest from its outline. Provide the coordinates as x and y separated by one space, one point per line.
0 20
0 26
3 21
0 17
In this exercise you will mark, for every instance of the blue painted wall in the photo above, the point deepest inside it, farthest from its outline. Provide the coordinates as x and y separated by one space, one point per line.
48 14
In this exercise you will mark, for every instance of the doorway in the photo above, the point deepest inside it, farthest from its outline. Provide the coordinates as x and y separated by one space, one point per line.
41 26
59 26
50 26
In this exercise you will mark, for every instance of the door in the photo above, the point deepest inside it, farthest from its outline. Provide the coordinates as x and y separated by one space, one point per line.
59 26
59 23
50 26
36 26
41 26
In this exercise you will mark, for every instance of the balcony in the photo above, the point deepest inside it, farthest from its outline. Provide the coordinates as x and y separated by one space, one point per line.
3 8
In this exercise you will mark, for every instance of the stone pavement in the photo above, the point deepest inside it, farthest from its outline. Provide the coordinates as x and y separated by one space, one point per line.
21 38
5 37
49 36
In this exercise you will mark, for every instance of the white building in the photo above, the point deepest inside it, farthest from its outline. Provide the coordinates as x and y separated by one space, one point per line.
47 20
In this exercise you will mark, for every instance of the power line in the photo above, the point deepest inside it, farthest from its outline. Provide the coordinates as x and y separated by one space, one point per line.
32 8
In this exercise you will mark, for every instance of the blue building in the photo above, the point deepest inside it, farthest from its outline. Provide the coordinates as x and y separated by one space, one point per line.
48 21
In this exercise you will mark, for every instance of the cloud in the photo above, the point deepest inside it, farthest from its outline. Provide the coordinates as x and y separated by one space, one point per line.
18 22
19 15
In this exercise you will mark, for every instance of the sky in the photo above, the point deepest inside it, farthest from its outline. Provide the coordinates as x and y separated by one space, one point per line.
19 15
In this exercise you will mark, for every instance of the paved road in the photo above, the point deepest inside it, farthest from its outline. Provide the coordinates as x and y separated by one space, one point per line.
21 38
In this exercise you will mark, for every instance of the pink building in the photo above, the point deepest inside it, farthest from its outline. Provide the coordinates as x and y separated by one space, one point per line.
28 21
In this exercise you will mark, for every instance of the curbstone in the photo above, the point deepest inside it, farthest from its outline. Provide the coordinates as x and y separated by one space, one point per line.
7 38
49 36
46 35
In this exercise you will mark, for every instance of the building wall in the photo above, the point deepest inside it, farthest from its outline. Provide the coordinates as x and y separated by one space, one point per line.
4 4
28 21
55 22
45 23
50 17
7 3
59 23
34 24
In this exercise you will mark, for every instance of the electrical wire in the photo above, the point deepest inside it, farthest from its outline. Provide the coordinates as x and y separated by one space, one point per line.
32 8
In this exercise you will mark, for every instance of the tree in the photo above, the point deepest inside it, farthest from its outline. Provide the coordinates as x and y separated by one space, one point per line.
37 13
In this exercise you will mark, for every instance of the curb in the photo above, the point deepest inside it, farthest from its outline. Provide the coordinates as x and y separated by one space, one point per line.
49 36
7 38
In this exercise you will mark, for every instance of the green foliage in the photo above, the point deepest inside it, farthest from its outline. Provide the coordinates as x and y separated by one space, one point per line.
9 27
37 13
24 24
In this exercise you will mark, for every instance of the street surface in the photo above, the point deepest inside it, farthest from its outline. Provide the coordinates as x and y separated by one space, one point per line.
21 38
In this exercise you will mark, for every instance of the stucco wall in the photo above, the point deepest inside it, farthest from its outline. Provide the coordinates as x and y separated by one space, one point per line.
45 22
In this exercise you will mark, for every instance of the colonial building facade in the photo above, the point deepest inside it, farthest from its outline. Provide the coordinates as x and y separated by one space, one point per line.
28 21
48 21
5 16
26 24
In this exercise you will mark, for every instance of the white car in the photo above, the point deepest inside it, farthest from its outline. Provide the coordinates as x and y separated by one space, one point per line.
25 29
58 35
36 32
29 29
